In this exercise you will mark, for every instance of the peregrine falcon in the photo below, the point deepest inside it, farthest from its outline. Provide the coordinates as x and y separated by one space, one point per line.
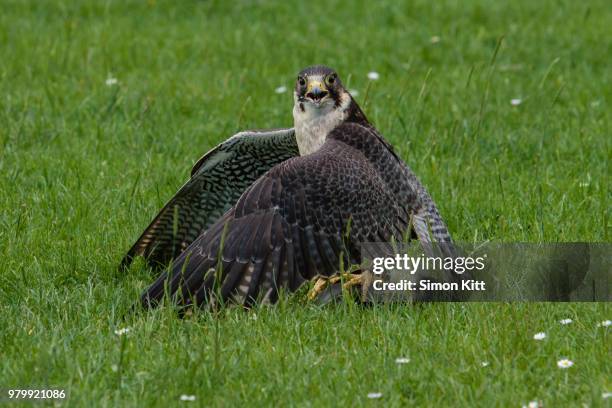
267 211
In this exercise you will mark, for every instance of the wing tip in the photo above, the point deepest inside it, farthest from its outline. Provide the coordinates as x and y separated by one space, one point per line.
136 250
125 263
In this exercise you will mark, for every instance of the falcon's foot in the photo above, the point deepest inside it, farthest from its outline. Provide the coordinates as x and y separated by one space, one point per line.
348 280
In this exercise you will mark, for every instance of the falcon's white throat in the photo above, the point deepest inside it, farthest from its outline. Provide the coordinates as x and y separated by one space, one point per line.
312 123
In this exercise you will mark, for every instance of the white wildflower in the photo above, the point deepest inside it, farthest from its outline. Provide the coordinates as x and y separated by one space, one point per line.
516 101
114 368
532 404
121 332
539 336
281 89
374 395
373 75
435 39
565 321
605 323
484 364
186 397
354 92
402 360
110 81
606 395
565 363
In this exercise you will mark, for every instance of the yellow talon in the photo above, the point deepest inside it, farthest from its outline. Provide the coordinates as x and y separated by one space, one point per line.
354 280
322 282
318 287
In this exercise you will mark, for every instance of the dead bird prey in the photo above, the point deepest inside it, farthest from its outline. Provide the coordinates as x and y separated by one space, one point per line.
291 195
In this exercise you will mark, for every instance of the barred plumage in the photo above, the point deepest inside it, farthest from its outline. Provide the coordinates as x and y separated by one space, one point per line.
291 218
217 181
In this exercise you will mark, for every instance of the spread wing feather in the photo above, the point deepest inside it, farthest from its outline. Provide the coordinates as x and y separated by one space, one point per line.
217 181
290 226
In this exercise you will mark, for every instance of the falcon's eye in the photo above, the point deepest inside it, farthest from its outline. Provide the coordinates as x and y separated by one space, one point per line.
331 79
301 81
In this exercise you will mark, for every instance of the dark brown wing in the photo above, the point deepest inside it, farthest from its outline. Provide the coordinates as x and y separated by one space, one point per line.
290 226
217 181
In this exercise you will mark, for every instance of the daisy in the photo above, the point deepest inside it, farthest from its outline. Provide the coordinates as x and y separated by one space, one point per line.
110 81
374 395
186 397
516 101
484 364
565 363
373 75
435 39
402 360
539 336
565 321
532 404
605 323
121 332
281 89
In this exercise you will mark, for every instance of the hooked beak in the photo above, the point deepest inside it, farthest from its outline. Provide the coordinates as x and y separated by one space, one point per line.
316 91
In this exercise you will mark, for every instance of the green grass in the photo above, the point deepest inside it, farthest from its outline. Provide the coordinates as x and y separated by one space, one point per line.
84 167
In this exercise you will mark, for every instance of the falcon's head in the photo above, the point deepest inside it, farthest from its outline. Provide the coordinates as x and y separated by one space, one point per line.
319 88
321 104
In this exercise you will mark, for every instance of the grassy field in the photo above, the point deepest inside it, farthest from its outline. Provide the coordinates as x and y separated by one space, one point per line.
85 162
